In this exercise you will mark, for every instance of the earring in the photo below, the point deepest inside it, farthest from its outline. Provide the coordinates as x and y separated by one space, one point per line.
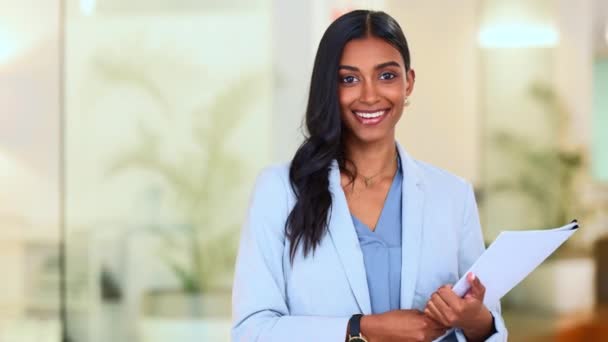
406 102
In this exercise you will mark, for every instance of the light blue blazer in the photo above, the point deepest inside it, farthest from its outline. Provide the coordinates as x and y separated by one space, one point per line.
313 299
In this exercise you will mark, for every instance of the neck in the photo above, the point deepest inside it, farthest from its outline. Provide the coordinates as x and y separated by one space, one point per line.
372 158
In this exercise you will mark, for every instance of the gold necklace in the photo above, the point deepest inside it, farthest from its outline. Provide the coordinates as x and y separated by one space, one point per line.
368 179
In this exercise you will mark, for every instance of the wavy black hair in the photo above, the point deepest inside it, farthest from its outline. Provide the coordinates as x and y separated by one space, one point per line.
309 172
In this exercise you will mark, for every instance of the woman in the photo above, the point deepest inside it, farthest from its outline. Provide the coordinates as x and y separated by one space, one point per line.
355 240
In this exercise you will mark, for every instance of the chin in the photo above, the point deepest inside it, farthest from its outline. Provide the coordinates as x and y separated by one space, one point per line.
368 136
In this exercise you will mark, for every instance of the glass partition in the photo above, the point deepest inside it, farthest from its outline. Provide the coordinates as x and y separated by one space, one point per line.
30 83
168 119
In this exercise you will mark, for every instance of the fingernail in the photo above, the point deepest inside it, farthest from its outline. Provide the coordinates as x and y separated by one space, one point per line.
472 276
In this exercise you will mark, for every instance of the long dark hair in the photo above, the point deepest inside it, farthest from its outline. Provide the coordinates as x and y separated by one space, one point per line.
309 171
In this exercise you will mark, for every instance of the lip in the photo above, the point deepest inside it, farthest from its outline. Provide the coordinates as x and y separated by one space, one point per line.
371 121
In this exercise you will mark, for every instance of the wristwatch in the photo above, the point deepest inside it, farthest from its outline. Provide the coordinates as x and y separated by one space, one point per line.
354 329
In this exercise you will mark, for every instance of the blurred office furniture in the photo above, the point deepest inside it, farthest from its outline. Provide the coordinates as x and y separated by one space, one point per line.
600 254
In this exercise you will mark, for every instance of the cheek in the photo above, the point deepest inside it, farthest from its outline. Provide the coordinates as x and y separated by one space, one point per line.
347 96
395 94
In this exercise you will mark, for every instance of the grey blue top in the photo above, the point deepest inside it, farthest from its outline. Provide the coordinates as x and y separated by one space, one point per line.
382 251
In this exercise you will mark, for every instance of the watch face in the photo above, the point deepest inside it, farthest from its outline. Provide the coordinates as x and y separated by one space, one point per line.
357 339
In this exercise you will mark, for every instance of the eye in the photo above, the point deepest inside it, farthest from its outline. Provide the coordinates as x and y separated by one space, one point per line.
387 76
349 79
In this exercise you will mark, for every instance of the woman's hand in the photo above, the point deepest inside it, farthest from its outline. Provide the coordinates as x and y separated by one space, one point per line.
400 325
467 313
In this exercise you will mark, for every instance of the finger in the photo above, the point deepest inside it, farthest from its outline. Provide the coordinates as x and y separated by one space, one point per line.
438 299
431 313
474 281
444 308
477 289
435 314
451 298
433 317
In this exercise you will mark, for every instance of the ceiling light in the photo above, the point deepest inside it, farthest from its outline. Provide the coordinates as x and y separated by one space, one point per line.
517 35
9 47
87 7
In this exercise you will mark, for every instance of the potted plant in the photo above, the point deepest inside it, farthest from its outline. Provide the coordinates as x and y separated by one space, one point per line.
547 177
200 258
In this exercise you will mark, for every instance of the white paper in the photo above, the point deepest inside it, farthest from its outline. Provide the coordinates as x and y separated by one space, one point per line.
511 257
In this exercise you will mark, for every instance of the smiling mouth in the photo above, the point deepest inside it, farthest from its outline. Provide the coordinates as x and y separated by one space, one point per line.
370 117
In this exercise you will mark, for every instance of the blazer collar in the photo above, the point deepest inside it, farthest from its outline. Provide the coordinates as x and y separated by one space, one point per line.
412 222
344 236
346 242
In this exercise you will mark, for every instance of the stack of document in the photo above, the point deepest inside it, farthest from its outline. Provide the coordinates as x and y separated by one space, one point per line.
511 257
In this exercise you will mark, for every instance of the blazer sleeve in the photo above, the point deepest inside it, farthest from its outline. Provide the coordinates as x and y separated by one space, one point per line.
471 247
259 303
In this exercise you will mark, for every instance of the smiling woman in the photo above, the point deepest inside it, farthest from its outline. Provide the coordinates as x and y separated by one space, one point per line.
354 239
370 92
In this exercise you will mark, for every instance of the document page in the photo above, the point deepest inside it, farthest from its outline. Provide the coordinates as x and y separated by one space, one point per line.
511 257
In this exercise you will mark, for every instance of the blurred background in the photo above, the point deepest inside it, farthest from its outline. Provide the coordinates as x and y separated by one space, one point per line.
131 133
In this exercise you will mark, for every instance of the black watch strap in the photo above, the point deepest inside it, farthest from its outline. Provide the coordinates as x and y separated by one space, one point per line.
354 325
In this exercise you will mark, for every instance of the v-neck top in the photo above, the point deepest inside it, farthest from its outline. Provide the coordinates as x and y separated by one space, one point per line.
382 251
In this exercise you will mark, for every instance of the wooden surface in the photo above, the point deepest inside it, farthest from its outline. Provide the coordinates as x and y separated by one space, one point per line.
582 326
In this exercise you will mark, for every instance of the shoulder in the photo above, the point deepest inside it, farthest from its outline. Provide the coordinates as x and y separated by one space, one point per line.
443 189
273 180
272 195
438 177
432 178
450 195
269 204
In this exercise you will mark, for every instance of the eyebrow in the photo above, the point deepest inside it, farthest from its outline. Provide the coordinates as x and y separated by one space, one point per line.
379 66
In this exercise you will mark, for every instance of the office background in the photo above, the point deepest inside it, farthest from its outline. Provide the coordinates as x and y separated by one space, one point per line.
131 133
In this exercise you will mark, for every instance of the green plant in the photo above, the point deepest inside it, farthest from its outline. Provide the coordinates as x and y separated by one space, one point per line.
203 176
545 174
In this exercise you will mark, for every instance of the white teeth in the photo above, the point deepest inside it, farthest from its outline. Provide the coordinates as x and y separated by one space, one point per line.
370 115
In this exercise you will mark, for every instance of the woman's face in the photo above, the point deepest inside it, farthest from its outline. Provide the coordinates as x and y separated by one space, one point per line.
373 86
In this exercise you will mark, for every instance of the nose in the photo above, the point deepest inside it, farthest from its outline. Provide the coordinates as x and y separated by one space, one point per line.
369 93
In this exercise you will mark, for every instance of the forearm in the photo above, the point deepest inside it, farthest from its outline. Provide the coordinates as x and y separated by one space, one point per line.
265 326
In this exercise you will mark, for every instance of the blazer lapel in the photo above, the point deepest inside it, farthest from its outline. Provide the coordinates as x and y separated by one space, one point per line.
345 241
412 217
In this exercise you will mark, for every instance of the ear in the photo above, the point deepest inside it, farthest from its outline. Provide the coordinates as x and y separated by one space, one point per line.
410 80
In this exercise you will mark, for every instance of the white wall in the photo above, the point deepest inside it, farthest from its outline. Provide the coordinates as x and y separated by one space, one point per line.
442 124
574 65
